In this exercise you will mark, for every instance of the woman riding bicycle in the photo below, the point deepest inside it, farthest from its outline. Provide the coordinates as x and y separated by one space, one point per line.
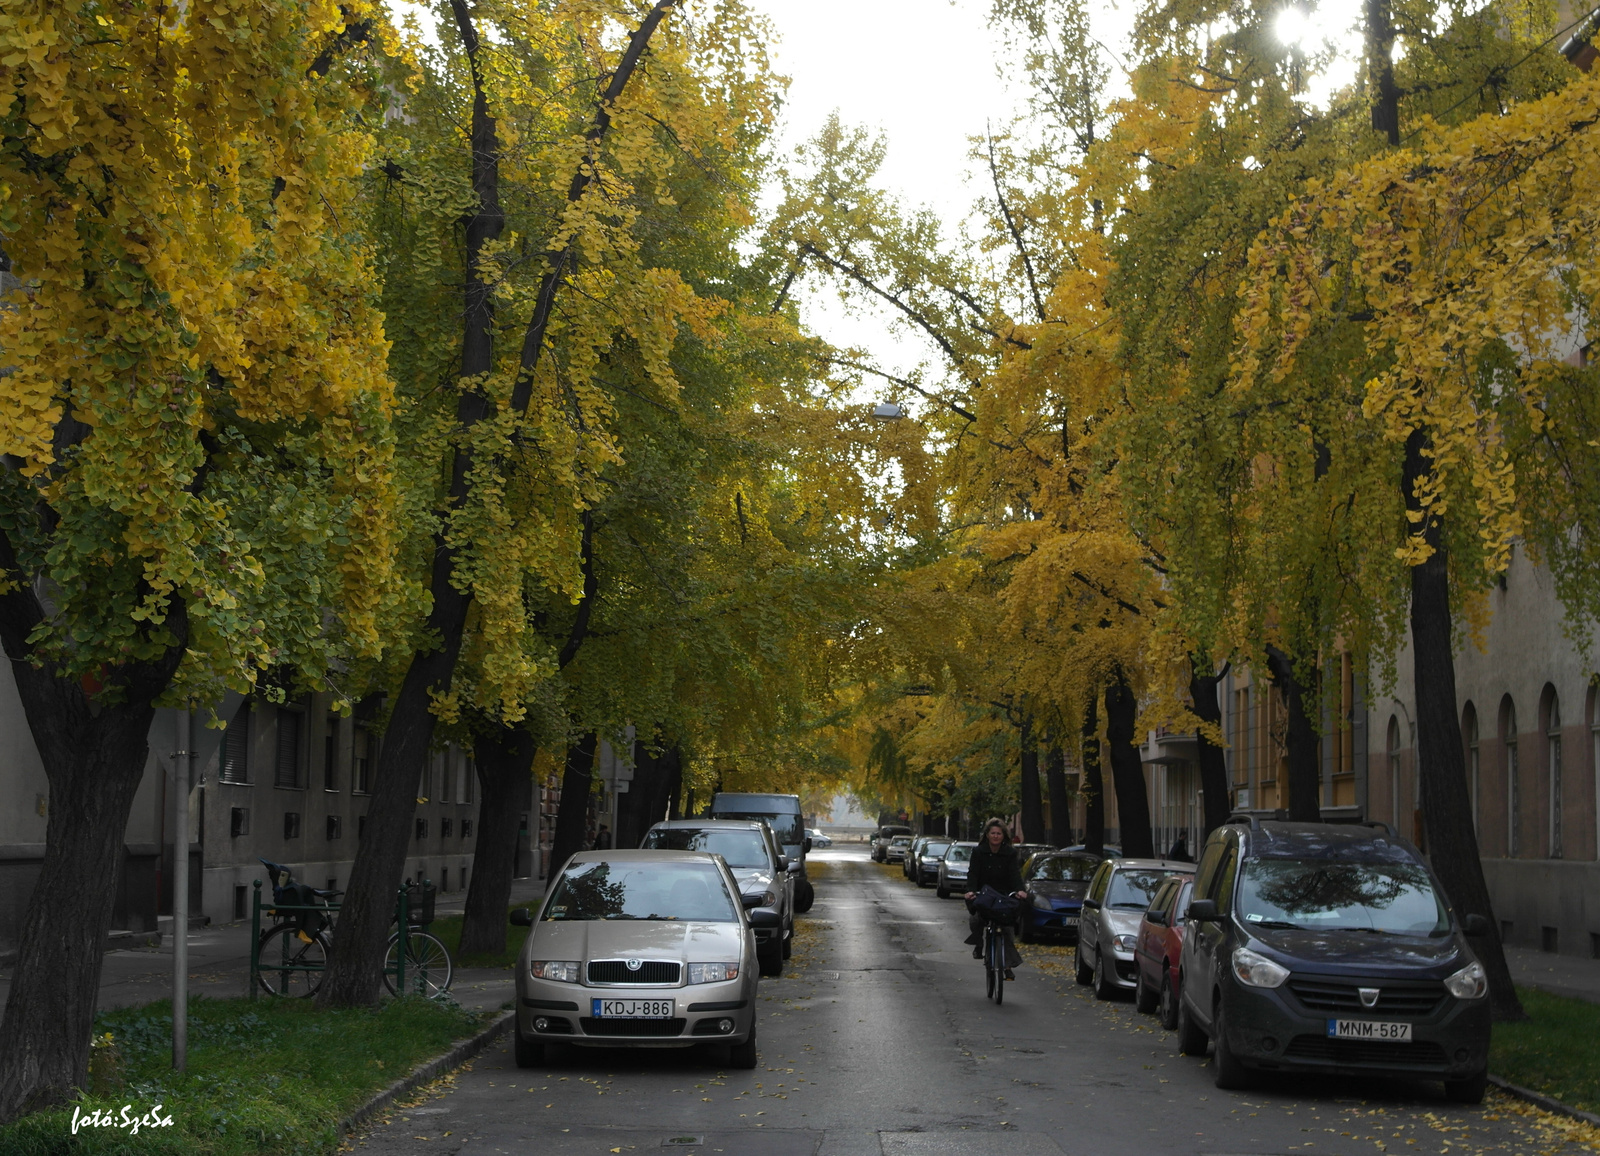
994 862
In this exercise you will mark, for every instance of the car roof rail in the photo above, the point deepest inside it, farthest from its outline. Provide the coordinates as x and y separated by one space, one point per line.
1382 826
1255 823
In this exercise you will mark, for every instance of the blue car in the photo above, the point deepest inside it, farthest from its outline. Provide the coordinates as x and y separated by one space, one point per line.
1056 882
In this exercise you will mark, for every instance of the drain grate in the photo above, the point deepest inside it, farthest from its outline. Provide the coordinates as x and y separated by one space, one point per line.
680 1141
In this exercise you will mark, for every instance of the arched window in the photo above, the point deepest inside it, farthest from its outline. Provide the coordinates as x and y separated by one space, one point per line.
1552 741
1469 741
1394 771
1508 739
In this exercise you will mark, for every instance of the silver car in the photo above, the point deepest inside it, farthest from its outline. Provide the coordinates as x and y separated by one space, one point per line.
639 949
759 867
953 869
1108 927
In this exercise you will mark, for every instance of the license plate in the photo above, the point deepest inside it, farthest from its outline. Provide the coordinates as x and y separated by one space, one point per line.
632 1009
1070 921
1368 1030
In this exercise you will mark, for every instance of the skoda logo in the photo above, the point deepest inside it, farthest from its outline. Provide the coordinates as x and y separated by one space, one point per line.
633 965
1369 995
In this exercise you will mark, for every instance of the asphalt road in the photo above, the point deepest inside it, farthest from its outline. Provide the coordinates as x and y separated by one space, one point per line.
878 1042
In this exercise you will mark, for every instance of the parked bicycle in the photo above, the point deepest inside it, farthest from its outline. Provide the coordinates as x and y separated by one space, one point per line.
292 955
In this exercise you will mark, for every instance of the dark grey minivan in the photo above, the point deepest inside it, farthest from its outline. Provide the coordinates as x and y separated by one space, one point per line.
1330 948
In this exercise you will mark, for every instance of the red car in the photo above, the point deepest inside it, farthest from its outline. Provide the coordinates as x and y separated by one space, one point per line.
1156 951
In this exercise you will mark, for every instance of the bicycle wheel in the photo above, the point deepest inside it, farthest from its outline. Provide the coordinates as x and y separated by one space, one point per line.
997 963
428 967
284 960
991 978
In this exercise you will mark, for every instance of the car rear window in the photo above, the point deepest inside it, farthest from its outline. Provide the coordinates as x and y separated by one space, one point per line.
671 891
1134 887
1390 898
739 848
1065 868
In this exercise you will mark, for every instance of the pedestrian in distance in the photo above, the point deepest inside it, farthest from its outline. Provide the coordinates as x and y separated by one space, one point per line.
994 863
1180 851
602 839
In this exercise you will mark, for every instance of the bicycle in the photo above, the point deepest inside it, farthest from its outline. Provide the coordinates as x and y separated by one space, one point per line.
997 910
302 943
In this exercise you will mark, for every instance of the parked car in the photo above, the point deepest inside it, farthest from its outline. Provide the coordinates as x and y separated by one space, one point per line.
639 948
782 813
880 841
918 842
1330 948
1118 895
895 852
1159 948
818 839
925 866
1056 882
953 869
1027 851
763 873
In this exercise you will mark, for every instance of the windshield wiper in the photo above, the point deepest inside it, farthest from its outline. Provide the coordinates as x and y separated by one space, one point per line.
1281 924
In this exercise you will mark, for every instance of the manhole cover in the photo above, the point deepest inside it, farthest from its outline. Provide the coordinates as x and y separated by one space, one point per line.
676 1141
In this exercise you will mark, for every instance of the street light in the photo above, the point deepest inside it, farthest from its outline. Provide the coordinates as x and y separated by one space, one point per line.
887 411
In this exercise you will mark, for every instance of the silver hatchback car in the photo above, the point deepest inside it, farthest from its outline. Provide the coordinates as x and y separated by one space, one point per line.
1108 927
639 949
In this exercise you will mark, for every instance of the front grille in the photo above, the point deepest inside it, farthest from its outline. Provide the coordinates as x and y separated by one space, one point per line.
650 971
1125 969
1376 1053
594 1027
1400 998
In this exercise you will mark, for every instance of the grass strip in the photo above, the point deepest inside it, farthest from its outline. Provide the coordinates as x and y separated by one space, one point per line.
448 930
264 1076
1553 1051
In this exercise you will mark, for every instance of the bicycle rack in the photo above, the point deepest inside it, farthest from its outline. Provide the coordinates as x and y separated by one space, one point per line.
405 918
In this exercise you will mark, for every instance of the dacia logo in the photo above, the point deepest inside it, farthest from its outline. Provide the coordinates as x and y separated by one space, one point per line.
1369 996
634 964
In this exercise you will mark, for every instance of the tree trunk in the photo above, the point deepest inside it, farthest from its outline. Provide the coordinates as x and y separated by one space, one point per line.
1094 790
1213 764
94 755
1380 70
1060 806
1305 753
573 816
1441 762
504 760
1127 771
1032 804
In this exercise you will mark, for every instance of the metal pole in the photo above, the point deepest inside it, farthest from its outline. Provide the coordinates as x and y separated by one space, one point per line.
180 893
255 938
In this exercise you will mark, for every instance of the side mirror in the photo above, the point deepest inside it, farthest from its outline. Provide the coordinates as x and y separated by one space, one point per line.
765 917
808 842
783 863
1203 910
795 867
751 900
521 917
1159 918
1095 903
1475 925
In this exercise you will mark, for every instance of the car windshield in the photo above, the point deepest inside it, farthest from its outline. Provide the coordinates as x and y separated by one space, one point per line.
1395 898
785 826
1064 868
900 841
958 854
739 848
1134 888
687 891
935 850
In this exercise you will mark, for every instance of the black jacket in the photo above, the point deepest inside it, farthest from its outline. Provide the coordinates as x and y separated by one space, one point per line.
999 870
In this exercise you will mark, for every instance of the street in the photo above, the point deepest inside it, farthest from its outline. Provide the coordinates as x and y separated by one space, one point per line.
878 1040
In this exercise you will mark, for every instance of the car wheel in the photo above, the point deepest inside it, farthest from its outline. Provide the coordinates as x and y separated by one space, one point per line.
529 1053
1191 1036
1468 1091
788 942
1103 987
1169 1003
1144 1000
1227 1072
942 892
770 959
744 1055
1083 974
804 895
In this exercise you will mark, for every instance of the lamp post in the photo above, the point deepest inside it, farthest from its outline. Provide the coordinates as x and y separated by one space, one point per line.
887 411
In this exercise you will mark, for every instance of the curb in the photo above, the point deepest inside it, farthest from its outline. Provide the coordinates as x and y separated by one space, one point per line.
1547 1103
431 1070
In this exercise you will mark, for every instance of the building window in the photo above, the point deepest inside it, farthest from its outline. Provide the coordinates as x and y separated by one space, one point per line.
330 754
1508 730
1241 743
241 901
239 822
288 763
291 824
445 827
1392 761
363 748
1469 739
1552 737
447 768
335 829
422 828
466 828
236 745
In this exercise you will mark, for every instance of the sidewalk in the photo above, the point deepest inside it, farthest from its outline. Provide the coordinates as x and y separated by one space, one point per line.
1567 975
219 964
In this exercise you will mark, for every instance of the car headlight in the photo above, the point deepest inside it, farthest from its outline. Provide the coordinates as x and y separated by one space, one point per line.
1123 942
560 970
1042 902
1256 970
768 898
1471 982
712 972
